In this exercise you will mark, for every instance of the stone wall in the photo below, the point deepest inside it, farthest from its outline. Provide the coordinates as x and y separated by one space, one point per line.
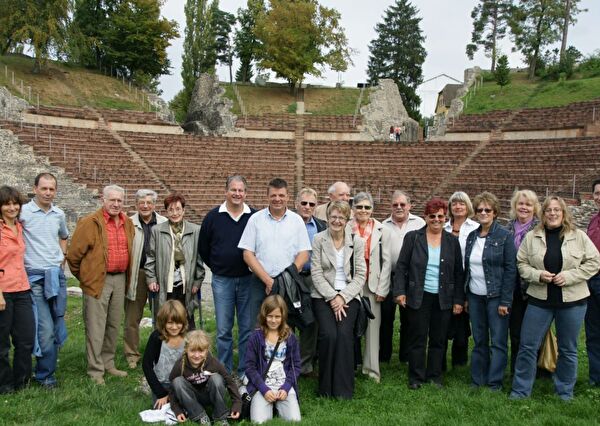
11 106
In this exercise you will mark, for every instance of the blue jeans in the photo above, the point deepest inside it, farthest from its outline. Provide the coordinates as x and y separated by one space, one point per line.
231 295
257 296
536 323
47 335
592 329
490 334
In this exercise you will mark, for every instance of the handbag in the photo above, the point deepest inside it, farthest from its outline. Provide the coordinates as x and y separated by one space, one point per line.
365 313
246 397
549 352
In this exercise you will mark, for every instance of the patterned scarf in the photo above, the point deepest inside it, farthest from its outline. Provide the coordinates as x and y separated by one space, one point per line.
521 230
177 230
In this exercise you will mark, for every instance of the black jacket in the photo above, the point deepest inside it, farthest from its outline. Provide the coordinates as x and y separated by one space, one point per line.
409 277
321 224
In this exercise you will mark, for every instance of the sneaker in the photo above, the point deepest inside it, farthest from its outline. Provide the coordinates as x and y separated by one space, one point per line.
132 364
116 372
204 420
223 422
144 387
99 380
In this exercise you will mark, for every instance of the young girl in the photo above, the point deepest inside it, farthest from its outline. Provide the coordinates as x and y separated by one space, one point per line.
198 380
164 347
277 384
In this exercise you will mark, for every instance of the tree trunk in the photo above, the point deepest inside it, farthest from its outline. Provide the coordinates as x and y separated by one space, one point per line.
563 45
495 39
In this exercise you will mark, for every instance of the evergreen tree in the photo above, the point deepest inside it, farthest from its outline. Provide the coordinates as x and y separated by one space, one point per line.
398 53
246 43
223 42
502 72
490 22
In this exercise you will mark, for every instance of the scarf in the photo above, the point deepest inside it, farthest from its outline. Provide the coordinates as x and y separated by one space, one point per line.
520 230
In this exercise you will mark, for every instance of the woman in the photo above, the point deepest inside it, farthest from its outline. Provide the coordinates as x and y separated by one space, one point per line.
428 281
377 258
338 270
524 216
173 266
556 259
460 224
490 273
16 306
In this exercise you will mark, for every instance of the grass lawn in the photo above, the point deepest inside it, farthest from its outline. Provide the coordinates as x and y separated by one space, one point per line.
79 402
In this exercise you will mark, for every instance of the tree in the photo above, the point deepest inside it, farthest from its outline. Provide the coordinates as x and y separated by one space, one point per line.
299 38
502 73
490 22
246 43
223 22
570 10
398 53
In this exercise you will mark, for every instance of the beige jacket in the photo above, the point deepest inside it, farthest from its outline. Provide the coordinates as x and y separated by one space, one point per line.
581 261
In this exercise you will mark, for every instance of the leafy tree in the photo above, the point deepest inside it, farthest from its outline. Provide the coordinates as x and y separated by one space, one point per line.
398 53
9 23
299 38
570 9
223 22
502 72
490 22
246 43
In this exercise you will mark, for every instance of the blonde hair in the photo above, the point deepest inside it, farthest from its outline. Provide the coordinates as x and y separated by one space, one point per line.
197 339
530 196
461 197
342 206
271 303
567 221
171 311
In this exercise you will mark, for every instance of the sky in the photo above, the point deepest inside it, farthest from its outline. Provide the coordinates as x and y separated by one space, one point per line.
446 26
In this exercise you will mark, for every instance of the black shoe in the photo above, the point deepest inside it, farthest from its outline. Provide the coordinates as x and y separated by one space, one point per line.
414 386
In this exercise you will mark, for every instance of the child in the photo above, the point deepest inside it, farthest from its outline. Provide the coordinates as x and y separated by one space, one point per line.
198 380
277 384
164 347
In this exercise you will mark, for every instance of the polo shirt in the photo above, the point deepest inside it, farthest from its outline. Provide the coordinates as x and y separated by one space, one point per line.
275 242
397 234
41 232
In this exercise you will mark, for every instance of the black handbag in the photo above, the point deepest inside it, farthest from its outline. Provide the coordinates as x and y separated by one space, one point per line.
365 313
246 397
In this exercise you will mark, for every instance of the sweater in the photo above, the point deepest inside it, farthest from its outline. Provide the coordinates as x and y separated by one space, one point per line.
151 356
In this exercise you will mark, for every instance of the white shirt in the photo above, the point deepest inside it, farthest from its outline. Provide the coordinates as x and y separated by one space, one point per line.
223 209
477 281
340 275
466 228
397 233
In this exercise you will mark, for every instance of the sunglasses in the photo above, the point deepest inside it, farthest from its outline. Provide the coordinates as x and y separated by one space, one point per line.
436 216
361 207
396 205
486 210
305 203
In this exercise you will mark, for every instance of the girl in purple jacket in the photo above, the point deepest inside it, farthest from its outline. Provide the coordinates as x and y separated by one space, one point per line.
277 384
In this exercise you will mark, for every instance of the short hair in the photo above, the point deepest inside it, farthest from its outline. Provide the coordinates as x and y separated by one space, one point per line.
342 206
45 175
171 311
567 222
143 193
112 188
9 194
398 193
529 196
436 204
594 183
362 196
236 178
489 199
197 339
461 197
174 198
334 185
271 303
308 191
277 183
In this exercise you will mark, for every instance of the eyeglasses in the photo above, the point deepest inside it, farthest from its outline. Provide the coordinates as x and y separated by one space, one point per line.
436 216
396 205
145 203
553 210
305 203
363 207
337 219
486 210
175 210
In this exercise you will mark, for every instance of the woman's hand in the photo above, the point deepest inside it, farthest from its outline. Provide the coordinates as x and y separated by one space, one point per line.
559 279
457 309
379 298
282 395
338 305
503 311
271 396
2 302
181 418
401 300
234 415
546 277
153 287
160 402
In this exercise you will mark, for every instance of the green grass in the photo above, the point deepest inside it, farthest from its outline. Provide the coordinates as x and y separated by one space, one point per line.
522 93
78 402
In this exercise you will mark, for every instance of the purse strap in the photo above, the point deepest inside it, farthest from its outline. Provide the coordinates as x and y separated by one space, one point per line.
271 359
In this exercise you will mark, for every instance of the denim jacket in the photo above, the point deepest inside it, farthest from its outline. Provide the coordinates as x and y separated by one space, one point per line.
499 263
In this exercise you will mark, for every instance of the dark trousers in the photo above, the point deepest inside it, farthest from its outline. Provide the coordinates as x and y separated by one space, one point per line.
592 329
427 340
16 324
178 294
194 401
336 349
459 332
517 312
386 330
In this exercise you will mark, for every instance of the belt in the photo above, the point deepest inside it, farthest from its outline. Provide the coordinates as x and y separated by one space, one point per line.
115 273
305 273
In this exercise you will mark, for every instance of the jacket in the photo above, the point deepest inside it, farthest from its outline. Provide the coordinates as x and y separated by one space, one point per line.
138 247
323 263
256 363
499 263
581 261
290 286
159 261
409 277
88 252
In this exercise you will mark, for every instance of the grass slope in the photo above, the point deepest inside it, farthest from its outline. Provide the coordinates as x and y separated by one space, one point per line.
79 402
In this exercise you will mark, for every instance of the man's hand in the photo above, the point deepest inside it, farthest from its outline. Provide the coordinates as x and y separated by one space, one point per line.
153 287
401 300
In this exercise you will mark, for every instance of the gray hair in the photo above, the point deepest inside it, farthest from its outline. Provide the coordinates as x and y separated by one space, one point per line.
143 193
112 188
399 193
309 191
361 196
461 197
236 178
331 189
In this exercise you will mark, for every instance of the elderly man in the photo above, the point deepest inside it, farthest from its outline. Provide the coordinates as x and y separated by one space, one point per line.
45 233
220 234
306 203
100 256
339 191
274 238
137 292
400 222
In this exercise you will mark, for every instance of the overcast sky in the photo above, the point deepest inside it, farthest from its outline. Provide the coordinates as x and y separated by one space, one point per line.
446 25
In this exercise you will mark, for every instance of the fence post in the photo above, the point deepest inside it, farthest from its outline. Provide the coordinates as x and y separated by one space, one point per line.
574 179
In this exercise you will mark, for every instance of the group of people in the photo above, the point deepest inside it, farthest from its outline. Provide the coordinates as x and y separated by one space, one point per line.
457 271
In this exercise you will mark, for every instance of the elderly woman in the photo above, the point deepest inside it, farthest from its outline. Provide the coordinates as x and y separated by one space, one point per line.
338 271
377 257
490 273
173 266
556 259
16 311
524 214
428 280
460 224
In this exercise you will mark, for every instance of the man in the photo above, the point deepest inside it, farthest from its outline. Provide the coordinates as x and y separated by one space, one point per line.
339 191
274 238
220 234
400 222
305 206
99 256
592 315
45 233
137 292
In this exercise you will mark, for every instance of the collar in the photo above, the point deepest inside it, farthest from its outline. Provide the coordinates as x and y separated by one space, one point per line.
35 207
311 222
410 217
223 208
272 217
108 217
